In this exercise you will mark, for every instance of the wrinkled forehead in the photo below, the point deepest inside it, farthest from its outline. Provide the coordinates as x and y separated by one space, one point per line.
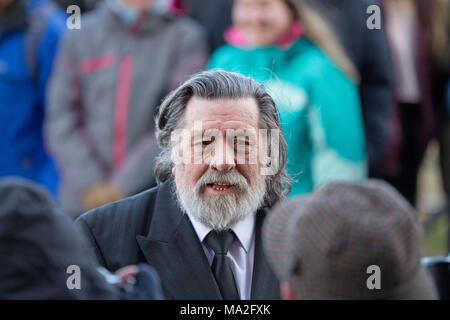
222 114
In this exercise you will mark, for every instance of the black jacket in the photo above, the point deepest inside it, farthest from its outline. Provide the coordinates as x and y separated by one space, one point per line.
151 228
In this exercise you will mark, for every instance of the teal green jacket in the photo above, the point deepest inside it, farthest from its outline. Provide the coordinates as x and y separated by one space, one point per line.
319 109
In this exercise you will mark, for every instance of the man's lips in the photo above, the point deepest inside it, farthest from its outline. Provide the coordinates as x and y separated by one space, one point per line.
220 187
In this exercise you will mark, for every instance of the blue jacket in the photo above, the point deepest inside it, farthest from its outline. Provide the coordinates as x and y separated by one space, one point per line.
22 92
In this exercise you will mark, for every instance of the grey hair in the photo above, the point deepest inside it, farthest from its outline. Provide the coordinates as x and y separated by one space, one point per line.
219 84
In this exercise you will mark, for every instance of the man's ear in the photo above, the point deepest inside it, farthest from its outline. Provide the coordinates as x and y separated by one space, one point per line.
173 170
286 291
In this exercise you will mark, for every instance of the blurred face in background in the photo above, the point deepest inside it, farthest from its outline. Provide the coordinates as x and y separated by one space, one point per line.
263 22
130 10
140 4
4 4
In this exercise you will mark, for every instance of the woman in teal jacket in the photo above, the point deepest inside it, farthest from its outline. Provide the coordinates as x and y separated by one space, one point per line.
316 96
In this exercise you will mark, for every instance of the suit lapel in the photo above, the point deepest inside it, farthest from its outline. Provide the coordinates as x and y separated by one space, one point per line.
173 249
265 285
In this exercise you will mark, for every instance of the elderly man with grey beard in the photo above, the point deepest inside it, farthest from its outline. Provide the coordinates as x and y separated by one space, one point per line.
222 166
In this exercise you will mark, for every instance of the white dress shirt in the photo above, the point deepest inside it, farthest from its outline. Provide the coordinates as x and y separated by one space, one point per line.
241 253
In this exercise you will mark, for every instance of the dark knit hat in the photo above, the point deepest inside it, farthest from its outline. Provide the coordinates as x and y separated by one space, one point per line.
329 243
37 245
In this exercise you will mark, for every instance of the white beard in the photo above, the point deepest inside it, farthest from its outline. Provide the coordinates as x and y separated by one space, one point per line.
221 212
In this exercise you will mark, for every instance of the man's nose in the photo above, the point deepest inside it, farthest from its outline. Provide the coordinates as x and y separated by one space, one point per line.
225 160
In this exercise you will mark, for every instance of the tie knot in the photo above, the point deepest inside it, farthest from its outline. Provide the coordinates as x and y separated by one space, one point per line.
220 242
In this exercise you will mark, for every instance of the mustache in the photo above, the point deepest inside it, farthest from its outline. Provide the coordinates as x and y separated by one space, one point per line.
231 178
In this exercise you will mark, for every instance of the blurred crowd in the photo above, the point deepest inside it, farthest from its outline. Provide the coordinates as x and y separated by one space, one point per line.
77 106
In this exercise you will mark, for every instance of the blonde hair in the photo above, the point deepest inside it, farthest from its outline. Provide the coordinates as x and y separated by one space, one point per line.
319 32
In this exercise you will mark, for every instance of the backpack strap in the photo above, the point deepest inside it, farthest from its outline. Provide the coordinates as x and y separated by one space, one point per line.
37 21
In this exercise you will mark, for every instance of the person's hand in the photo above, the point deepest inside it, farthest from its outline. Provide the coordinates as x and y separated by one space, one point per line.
128 273
139 282
100 194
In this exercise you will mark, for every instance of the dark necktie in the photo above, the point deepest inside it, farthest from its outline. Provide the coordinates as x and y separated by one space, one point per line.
220 242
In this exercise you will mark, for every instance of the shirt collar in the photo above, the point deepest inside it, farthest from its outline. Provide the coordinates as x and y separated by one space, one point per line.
244 230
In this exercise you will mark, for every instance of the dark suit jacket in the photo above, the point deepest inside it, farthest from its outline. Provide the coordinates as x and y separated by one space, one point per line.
151 228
